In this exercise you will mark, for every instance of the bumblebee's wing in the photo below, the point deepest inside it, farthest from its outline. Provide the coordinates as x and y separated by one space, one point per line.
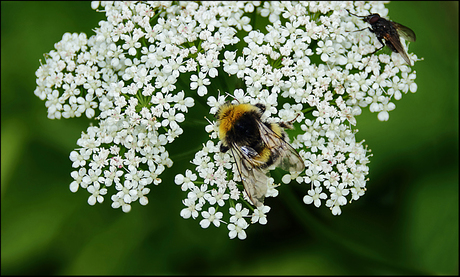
254 178
404 31
394 40
288 156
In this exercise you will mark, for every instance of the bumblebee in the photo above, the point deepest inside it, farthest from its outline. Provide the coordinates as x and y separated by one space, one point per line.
255 146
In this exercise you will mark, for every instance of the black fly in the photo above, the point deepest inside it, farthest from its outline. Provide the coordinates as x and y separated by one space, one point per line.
389 31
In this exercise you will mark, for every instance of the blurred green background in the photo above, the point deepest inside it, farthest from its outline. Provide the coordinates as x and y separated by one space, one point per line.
407 223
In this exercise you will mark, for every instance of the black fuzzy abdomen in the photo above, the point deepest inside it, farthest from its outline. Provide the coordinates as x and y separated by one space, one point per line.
245 132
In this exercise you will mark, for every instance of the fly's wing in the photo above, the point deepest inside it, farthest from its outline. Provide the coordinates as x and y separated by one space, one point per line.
287 156
394 40
253 177
405 32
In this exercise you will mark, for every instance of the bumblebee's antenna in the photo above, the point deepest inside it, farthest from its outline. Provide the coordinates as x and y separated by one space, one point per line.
228 94
232 96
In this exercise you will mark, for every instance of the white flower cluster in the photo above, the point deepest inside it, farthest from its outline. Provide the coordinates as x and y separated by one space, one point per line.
125 77
305 61
334 161
311 59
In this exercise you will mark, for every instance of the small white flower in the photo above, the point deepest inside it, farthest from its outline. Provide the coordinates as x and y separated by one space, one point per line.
238 230
78 179
198 193
191 210
79 159
140 194
186 181
112 176
200 82
314 196
259 215
93 177
238 214
87 105
211 216
97 194
119 202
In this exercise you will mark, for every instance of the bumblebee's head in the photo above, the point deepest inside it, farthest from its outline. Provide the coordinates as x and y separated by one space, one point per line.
223 110
229 114
229 108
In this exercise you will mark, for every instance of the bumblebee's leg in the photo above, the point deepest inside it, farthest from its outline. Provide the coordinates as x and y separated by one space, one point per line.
261 107
223 148
288 124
